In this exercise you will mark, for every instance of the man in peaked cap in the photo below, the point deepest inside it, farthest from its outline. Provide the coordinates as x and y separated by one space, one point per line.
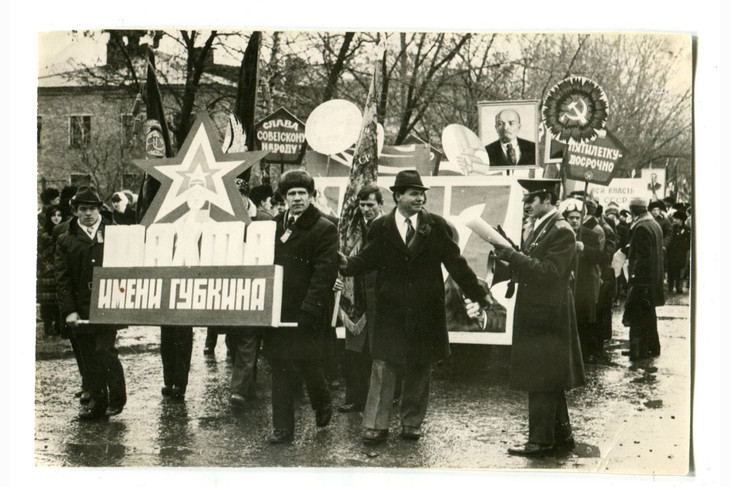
407 247
79 249
546 356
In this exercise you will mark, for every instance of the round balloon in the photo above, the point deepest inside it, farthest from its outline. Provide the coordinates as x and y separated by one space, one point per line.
333 126
463 148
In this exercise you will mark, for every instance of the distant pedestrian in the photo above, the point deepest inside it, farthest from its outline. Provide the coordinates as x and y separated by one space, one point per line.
646 283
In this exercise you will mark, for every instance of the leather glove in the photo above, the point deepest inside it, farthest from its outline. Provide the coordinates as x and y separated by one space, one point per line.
504 253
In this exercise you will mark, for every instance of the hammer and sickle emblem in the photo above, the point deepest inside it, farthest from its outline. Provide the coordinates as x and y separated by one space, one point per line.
577 115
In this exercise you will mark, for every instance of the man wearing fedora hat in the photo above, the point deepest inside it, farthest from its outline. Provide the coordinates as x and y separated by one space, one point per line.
407 247
546 355
79 249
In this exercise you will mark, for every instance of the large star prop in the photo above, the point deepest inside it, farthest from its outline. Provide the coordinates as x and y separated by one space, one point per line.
198 164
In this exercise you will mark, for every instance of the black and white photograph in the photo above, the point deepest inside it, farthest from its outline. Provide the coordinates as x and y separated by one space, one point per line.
248 265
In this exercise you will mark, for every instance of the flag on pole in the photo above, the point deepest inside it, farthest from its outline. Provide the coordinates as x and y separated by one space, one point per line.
363 172
248 78
157 139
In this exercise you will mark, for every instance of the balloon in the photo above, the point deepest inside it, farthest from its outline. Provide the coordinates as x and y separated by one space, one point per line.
464 150
333 126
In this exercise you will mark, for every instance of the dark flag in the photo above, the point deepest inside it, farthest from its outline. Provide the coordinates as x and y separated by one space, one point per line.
157 141
248 78
364 171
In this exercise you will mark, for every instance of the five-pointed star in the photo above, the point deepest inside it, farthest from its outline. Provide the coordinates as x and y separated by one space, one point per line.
198 161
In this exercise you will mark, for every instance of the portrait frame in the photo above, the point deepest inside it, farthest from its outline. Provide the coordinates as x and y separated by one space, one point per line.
529 113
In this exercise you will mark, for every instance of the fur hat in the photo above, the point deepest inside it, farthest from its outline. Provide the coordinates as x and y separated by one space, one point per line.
296 178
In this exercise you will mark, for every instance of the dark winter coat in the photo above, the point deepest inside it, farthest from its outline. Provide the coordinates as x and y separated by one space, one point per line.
678 246
646 266
410 318
45 282
588 277
310 262
546 354
76 256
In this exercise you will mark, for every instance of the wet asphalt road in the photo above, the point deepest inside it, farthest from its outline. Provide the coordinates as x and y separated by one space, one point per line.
627 419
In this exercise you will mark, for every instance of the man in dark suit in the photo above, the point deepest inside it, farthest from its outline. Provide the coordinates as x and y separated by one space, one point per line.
510 150
546 356
407 247
646 282
306 248
79 249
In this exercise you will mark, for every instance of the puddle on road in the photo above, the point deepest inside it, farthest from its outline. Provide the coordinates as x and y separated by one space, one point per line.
655 404
584 450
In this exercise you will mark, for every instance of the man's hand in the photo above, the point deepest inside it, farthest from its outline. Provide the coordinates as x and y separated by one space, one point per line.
339 285
504 253
579 246
343 260
72 320
476 313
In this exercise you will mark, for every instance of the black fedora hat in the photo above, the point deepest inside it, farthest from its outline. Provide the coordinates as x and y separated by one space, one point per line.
88 195
408 179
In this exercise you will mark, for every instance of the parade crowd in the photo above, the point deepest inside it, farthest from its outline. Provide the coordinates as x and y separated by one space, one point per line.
576 261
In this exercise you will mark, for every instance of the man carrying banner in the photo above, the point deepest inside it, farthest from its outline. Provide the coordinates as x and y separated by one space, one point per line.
79 249
306 247
546 355
407 248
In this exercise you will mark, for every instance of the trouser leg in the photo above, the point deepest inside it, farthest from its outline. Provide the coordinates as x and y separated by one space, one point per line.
95 377
211 338
245 350
176 348
282 397
79 362
379 403
314 377
416 388
548 417
111 368
361 378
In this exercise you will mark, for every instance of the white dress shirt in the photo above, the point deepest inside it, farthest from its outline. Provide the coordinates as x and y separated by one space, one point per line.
90 231
400 223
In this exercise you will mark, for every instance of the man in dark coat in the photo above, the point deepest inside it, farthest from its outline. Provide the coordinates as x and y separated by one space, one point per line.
546 357
358 340
677 247
78 251
646 283
407 247
510 150
306 247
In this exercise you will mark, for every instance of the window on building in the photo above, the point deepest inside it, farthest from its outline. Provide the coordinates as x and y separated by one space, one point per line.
38 131
79 131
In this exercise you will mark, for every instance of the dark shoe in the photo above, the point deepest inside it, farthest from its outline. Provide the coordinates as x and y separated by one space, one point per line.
350 408
85 398
177 391
568 444
113 411
279 436
166 390
530 450
208 351
373 436
323 416
238 400
410 433
91 414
